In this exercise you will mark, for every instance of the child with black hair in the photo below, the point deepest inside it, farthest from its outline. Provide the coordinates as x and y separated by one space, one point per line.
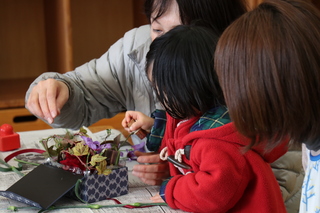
211 168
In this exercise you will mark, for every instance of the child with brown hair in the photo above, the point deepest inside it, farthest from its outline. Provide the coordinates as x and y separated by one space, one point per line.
268 63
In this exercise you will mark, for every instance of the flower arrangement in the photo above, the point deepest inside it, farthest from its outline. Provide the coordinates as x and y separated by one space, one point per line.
100 171
78 153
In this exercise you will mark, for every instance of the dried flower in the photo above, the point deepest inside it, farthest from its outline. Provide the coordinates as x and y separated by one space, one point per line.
73 161
95 145
78 151
138 147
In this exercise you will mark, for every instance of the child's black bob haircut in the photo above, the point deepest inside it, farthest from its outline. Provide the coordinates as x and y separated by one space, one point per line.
181 69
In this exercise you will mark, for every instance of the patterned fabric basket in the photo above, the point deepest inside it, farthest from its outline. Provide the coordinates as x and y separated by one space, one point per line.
45 184
96 187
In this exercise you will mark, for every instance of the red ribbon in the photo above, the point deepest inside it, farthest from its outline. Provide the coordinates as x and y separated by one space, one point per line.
9 157
127 206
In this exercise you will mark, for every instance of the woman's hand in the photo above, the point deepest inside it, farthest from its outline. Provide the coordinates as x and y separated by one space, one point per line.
47 99
151 170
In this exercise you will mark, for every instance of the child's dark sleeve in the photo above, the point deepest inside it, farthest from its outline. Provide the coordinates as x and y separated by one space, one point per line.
156 134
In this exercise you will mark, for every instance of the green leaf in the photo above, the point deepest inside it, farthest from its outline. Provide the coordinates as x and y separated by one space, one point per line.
94 206
12 208
102 168
80 149
97 159
83 130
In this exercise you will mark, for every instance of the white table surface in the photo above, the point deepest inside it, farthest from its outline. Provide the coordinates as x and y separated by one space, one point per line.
138 191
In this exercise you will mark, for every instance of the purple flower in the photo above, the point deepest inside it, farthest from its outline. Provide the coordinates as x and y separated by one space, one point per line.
137 147
95 145
131 155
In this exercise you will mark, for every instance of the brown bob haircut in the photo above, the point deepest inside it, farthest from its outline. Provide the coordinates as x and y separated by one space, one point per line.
268 64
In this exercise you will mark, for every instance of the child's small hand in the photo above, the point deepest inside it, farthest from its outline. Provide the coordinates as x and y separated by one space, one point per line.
157 199
141 121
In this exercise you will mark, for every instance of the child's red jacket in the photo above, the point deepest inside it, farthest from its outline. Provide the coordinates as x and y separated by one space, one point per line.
222 177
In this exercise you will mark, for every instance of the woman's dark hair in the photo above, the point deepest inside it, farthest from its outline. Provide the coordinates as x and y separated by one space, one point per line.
218 13
268 63
180 67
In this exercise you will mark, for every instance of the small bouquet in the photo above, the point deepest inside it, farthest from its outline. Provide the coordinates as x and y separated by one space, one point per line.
102 164
98 170
77 152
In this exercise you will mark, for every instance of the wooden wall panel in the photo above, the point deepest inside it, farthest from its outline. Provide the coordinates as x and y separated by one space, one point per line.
22 39
58 36
96 25
21 120
138 13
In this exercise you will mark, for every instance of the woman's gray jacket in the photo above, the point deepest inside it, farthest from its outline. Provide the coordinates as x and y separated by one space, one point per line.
104 87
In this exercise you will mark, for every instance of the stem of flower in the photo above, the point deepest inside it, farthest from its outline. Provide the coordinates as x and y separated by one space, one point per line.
126 140
11 167
91 206
85 165
26 162
108 133
88 160
117 159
